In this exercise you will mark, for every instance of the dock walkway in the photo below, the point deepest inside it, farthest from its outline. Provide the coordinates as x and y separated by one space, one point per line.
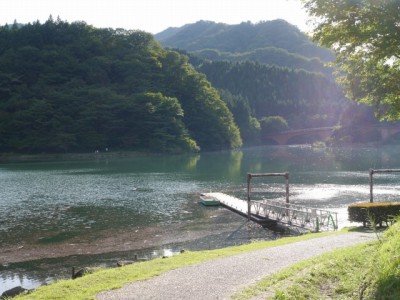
270 211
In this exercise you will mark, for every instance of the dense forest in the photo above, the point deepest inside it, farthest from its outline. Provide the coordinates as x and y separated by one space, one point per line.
72 88
270 74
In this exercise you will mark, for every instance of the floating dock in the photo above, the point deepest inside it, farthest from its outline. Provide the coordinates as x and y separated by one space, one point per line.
238 206
273 212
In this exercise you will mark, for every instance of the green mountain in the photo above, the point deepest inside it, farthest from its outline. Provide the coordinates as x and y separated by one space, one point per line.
272 42
72 88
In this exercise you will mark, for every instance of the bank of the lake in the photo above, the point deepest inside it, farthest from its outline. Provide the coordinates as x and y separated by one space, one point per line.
83 156
242 265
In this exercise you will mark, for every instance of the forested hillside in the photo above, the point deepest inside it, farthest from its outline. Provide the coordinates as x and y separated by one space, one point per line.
270 74
272 42
306 99
71 87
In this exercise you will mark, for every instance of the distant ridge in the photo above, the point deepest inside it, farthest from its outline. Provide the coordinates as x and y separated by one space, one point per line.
167 33
243 39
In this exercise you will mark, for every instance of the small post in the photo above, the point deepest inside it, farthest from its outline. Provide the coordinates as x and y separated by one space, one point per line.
248 197
287 186
317 223
371 183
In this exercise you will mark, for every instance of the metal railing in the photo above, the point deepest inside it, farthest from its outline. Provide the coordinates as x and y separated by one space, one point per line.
296 215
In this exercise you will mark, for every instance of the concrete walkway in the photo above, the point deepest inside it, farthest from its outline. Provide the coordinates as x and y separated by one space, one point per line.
220 278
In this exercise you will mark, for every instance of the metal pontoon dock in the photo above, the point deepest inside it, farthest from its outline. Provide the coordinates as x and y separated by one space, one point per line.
269 211
272 211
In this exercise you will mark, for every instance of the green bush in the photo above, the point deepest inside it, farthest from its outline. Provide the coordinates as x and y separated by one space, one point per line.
376 212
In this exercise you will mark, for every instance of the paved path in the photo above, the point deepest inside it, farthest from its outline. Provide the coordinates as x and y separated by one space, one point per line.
220 278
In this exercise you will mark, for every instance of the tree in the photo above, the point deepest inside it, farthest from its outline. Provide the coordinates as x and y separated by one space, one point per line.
273 124
365 36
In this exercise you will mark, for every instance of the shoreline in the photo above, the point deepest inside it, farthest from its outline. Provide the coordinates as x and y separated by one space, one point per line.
106 154
108 242
139 238
33 263
48 157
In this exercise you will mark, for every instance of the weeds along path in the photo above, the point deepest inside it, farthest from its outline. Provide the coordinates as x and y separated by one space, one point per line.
220 278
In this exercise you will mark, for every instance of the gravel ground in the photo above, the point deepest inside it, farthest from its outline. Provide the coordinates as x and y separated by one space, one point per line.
220 278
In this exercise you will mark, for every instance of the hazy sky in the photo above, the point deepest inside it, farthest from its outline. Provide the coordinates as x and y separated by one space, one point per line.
151 15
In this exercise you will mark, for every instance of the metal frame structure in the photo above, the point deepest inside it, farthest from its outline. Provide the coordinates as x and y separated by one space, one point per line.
290 214
252 175
371 180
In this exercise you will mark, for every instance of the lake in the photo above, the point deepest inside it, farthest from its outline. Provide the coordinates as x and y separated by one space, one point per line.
54 215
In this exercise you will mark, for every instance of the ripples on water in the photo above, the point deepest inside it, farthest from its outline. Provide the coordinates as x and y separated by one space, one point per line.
51 200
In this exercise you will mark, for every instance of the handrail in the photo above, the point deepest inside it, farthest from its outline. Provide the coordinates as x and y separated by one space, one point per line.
297 215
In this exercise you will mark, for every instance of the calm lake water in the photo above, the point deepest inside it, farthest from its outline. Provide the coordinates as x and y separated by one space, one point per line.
52 202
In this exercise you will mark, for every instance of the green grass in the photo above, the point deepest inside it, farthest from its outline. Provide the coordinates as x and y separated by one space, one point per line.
106 279
366 271
336 275
387 266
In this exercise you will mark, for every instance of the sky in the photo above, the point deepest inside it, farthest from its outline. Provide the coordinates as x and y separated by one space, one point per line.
152 15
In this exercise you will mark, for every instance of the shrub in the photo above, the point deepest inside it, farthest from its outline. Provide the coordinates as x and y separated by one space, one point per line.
377 212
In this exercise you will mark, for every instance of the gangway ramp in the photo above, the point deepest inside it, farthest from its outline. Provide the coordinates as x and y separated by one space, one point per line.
269 211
